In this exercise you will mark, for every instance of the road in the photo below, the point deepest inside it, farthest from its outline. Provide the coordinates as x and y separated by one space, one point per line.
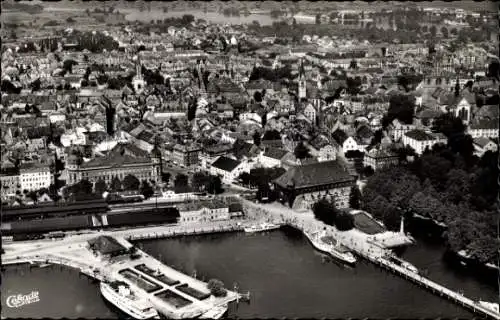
30 247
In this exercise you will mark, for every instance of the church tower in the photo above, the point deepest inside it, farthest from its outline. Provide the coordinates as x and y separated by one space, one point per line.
302 81
138 81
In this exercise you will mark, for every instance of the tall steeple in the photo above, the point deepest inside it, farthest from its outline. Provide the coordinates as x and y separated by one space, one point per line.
302 80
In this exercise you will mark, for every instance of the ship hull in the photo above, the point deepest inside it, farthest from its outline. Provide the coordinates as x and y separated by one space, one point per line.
124 305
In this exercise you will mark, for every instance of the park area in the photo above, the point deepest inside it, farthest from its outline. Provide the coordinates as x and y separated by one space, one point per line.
365 224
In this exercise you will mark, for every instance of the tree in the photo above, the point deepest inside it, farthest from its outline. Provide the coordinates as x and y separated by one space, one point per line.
35 85
181 181
83 186
444 32
216 288
191 113
68 65
100 186
401 107
344 221
256 138
355 197
454 31
494 69
353 64
165 177
130 182
433 30
146 189
199 181
301 151
33 196
257 96
116 184
325 211
214 185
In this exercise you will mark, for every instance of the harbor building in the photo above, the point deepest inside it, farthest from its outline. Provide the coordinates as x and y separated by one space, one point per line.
302 186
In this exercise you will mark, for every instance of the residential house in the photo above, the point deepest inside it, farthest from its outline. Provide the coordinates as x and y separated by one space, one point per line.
272 157
482 145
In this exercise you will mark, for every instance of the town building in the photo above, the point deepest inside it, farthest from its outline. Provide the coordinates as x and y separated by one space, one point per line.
205 211
122 160
10 184
378 158
483 145
228 169
34 176
419 140
485 128
186 155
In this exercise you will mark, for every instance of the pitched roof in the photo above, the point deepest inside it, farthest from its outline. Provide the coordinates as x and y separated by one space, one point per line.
482 141
225 163
119 156
315 174
275 153
485 124
421 135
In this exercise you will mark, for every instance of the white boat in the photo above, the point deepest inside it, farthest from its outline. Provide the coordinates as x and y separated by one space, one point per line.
118 293
265 226
215 313
327 244
489 305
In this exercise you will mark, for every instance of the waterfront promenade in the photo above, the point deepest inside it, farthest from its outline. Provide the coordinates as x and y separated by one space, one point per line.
357 242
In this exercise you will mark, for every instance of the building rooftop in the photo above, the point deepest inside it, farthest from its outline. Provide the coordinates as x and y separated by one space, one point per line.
315 174
225 163
421 135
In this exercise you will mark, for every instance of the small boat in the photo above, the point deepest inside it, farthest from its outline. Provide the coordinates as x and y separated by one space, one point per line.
215 313
262 227
329 245
489 305
119 294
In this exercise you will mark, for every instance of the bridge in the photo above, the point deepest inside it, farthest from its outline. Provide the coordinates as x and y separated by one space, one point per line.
369 250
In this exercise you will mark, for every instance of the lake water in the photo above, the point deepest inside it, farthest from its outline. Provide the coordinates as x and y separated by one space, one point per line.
284 274
214 17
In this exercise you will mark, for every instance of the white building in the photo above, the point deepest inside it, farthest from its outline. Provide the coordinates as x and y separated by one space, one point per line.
419 140
203 212
397 129
228 169
483 145
34 177
484 128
